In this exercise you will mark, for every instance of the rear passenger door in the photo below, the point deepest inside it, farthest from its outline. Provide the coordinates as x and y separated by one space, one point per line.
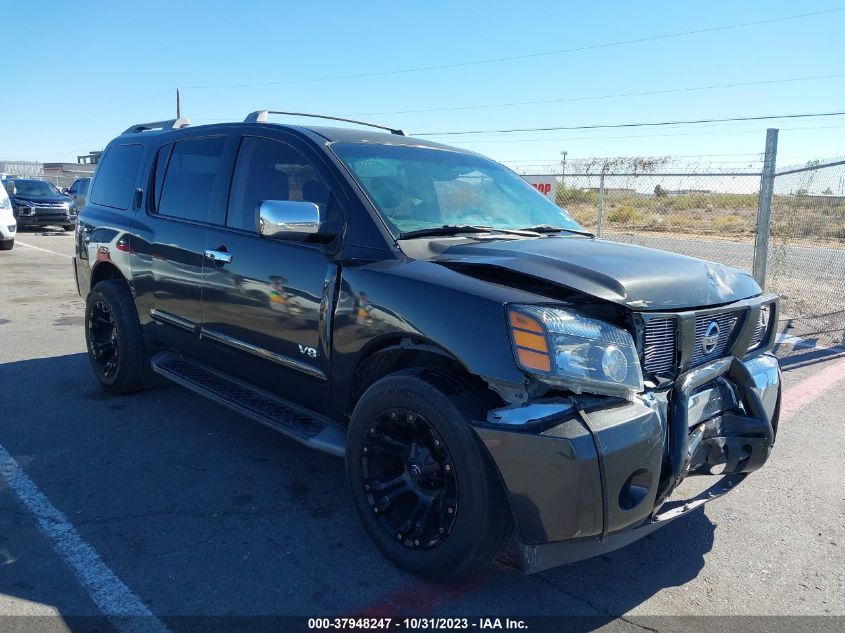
188 187
263 298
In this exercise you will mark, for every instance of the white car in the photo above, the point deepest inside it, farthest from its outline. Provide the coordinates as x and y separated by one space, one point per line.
8 224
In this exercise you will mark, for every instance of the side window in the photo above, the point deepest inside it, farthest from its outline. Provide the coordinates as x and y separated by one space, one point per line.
73 187
82 186
271 170
116 174
190 178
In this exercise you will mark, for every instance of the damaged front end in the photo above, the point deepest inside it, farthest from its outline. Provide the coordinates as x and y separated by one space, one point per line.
587 474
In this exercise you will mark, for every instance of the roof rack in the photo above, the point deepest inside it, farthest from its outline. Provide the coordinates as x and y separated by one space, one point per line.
260 116
172 124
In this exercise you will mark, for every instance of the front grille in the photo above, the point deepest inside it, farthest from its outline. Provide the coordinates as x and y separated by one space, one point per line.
659 347
660 343
761 328
726 322
52 205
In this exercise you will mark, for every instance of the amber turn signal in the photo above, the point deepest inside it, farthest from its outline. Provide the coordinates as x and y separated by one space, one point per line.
529 339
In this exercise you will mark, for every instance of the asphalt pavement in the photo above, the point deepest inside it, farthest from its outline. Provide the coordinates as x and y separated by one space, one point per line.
195 511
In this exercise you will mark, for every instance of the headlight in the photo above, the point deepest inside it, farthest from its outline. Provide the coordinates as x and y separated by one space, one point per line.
565 348
24 207
5 203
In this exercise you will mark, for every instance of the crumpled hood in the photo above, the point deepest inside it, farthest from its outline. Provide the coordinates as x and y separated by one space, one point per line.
638 277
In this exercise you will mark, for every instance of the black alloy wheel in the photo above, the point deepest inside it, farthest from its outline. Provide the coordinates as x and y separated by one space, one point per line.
102 334
423 484
409 479
117 348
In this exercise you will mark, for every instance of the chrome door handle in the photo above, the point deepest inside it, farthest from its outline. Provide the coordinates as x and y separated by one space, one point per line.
219 256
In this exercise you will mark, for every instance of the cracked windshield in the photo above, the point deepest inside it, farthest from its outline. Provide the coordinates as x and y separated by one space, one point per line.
419 188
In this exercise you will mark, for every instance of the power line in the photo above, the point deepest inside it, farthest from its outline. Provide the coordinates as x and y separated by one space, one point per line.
628 136
598 126
556 161
608 96
495 60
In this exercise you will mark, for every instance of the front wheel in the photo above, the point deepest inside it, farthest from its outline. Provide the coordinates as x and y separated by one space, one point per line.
116 346
7 245
423 485
69 227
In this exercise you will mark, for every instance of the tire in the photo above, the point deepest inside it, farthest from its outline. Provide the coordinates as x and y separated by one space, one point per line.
69 227
7 245
449 544
113 333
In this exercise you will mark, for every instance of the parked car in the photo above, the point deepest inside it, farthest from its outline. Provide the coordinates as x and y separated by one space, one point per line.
38 203
78 191
480 360
8 224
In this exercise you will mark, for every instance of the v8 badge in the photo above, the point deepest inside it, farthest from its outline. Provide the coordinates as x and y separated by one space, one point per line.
310 352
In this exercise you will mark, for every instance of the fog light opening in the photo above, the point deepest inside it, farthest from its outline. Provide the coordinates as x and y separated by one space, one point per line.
635 489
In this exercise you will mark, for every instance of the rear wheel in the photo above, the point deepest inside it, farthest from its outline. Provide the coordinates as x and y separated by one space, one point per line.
7 245
423 485
116 346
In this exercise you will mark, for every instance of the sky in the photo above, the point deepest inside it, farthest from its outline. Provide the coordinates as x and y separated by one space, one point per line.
79 73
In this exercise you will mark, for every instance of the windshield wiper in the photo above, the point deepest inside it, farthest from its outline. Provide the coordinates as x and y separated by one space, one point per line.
547 228
456 229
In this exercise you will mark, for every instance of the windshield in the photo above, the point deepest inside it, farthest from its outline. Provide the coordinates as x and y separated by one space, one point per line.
34 188
417 188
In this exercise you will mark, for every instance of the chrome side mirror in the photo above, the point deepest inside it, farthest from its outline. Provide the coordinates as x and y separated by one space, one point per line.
288 220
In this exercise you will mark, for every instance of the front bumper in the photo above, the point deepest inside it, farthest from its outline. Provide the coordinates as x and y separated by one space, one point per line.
598 472
45 217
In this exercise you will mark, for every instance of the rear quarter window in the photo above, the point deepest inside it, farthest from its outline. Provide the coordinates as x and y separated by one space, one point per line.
116 174
191 178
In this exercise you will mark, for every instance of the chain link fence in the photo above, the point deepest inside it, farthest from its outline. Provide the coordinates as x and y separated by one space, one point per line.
713 211
806 254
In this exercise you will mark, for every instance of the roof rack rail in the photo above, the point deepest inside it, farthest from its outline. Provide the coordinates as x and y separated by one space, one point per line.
171 124
260 116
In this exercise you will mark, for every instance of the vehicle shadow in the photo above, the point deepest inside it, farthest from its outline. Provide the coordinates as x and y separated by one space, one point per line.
617 582
802 357
203 513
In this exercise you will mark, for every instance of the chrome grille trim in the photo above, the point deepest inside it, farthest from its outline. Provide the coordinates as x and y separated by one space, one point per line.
727 323
51 205
762 326
659 345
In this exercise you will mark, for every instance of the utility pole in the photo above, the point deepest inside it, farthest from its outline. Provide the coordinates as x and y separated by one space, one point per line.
764 208
178 105
563 167
600 218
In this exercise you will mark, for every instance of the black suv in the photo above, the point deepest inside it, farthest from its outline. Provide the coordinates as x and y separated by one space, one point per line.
38 203
480 360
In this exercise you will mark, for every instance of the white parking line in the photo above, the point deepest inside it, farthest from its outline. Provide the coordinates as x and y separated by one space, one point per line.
45 250
114 599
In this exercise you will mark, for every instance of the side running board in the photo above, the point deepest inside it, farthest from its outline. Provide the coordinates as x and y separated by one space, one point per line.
294 421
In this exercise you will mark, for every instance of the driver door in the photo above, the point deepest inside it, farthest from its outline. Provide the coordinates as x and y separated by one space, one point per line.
264 299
